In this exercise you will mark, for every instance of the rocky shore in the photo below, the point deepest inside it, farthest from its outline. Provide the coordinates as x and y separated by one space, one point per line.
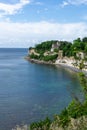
75 69
65 65
22 127
39 61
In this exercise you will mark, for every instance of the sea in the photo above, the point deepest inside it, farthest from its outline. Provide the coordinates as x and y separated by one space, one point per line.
31 92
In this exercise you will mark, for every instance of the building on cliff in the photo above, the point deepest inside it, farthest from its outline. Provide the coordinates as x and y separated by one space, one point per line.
55 46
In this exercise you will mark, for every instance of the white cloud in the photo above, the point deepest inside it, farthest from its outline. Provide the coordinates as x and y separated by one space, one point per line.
73 2
28 34
65 3
10 9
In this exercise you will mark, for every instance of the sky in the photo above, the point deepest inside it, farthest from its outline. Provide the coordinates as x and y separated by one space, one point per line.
24 23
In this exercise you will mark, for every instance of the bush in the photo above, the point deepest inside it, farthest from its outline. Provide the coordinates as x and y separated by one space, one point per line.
50 57
41 124
56 50
33 56
83 82
75 109
64 118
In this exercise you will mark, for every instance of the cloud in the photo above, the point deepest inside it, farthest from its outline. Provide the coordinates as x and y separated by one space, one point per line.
28 34
11 9
74 2
65 3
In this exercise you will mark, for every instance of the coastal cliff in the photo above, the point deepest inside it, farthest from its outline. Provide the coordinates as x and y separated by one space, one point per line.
67 54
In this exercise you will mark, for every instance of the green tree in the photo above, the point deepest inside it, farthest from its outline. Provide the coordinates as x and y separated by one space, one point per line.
84 39
77 44
64 118
85 49
81 64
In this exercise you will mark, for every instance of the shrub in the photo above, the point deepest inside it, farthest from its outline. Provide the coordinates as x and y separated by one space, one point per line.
41 124
50 57
33 56
64 118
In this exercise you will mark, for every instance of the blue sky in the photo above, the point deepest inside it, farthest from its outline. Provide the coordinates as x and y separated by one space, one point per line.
24 23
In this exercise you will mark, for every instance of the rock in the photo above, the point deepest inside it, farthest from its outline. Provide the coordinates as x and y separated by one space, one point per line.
24 127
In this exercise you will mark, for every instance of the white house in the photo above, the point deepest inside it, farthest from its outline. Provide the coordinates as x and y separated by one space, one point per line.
80 55
55 46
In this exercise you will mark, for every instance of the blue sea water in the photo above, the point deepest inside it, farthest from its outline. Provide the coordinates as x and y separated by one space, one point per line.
30 92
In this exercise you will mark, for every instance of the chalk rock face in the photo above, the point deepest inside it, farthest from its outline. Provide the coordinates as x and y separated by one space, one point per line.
24 127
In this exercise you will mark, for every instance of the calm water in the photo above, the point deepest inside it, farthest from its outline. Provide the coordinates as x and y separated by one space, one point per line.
29 92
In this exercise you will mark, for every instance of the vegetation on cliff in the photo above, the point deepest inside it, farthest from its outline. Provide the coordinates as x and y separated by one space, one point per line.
46 50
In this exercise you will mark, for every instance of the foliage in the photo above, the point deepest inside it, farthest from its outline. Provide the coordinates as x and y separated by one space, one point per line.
81 65
75 109
50 57
41 124
64 118
85 49
33 56
84 39
83 82
44 46
66 47
30 48
77 44
45 58
56 50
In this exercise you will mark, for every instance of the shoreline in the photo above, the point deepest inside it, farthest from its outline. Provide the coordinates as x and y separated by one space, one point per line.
65 65
75 69
38 61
